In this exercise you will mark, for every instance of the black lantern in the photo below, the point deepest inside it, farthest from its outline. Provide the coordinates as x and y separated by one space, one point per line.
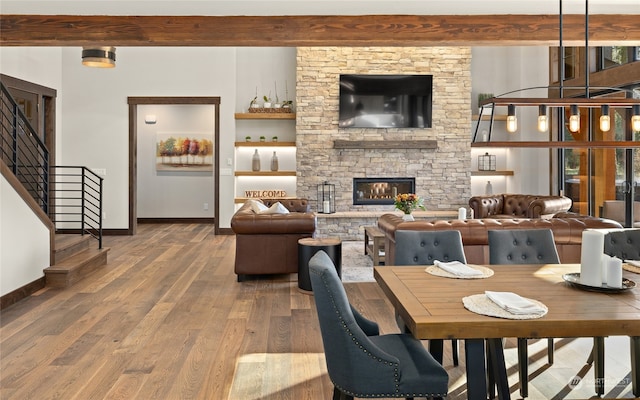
487 162
326 198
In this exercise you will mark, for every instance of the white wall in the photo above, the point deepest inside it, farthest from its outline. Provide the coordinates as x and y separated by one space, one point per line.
173 194
499 70
24 241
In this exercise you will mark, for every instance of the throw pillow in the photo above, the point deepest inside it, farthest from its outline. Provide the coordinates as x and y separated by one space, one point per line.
276 208
257 206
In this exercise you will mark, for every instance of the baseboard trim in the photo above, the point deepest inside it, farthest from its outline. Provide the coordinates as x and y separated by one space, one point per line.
226 231
23 292
176 220
105 232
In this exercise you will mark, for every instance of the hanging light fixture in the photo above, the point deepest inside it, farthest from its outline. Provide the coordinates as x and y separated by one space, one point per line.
635 119
512 120
99 57
543 120
574 119
605 119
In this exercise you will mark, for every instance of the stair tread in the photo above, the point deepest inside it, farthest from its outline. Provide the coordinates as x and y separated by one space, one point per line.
78 259
63 241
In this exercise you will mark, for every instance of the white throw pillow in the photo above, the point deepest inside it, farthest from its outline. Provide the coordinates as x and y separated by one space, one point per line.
276 208
257 206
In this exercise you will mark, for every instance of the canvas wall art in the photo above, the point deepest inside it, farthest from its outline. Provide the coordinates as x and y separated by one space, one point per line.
184 152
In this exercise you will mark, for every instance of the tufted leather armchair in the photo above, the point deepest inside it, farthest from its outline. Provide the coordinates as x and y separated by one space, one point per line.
268 243
360 362
518 206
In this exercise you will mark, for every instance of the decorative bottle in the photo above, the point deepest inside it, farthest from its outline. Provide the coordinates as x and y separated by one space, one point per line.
274 162
255 161
488 190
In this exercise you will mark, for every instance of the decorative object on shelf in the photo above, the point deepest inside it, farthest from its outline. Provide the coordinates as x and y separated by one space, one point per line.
488 189
274 139
274 162
267 100
326 198
277 104
255 161
487 162
407 203
247 138
262 138
265 194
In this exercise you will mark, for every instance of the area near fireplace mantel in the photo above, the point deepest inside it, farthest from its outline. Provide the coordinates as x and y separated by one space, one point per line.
385 144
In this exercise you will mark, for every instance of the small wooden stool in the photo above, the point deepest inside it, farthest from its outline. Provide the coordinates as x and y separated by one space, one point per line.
375 250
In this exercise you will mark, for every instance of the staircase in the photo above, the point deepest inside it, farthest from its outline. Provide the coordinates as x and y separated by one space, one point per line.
75 257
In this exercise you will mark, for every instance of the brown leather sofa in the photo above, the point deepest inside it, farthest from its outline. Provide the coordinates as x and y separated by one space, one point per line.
567 231
268 243
518 206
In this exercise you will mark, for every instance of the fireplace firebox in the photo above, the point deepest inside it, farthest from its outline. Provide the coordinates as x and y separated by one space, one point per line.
373 191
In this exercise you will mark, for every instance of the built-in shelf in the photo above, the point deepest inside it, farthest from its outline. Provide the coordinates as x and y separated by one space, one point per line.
491 173
385 144
276 115
265 173
242 200
487 117
265 144
563 145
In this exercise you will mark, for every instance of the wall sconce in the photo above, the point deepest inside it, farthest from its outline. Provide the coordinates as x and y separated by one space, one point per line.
150 119
512 121
574 119
543 120
635 120
605 119
326 198
99 57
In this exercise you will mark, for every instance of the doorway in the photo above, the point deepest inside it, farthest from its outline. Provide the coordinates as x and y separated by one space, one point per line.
133 103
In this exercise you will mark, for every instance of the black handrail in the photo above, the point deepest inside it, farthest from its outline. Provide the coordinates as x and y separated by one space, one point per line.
77 199
71 196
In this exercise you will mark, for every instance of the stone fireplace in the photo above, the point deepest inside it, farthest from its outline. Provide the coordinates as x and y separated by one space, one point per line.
373 191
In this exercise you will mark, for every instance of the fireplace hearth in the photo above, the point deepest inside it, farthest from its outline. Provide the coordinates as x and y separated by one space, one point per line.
374 191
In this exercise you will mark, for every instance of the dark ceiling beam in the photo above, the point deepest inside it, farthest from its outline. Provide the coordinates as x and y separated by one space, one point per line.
370 30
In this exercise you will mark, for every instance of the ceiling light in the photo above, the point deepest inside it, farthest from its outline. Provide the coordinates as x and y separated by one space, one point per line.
99 57
574 119
635 120
543 120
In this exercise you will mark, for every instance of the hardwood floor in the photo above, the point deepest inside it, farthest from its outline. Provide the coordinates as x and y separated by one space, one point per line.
166 319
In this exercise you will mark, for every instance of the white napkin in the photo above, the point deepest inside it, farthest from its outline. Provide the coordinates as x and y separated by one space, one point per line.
513 303
635 263
457 268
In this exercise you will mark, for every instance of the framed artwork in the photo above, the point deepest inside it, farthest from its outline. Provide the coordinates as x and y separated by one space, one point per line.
184 152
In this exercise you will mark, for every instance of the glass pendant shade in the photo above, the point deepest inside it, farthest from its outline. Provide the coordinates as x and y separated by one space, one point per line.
512 121
543 120
574 119
605 119
635 120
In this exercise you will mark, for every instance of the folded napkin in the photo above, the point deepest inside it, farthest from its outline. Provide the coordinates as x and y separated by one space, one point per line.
513 303
635 263
457 268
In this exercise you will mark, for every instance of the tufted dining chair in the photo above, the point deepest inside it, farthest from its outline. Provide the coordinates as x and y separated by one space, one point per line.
425 247
623 243
524 246
360 361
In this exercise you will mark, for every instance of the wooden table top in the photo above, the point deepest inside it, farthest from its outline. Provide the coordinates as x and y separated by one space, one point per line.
432 306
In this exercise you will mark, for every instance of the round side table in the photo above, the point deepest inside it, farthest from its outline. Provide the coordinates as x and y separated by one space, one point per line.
307 247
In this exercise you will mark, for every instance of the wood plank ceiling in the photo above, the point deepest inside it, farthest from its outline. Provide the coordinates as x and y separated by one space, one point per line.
316 30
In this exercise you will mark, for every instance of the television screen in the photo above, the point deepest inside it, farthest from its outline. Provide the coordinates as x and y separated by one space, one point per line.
385 101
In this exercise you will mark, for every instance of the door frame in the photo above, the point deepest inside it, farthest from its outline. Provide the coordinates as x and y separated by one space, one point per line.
133 103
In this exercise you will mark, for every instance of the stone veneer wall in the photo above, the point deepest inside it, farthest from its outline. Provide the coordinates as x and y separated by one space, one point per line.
442 175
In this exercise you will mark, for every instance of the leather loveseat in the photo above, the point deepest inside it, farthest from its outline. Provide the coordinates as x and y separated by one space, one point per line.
518 206
268 243
567 232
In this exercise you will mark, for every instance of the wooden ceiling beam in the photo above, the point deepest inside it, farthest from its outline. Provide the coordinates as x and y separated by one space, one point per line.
370 30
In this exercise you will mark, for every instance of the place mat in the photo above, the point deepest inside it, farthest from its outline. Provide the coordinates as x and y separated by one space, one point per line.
481 304
631 268
436 271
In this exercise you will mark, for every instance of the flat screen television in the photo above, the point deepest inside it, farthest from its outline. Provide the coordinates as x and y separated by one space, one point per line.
385 101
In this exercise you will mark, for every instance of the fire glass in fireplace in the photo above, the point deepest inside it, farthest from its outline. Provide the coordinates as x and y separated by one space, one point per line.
380 190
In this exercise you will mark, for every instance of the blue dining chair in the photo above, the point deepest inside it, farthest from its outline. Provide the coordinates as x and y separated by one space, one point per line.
423 248
524 246
360 361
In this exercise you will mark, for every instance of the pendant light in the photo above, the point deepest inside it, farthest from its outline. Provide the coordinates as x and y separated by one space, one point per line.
635 120
543 120
605 119
99 57
574 119
512 121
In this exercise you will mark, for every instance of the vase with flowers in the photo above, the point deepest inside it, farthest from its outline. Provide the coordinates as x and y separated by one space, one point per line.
407 203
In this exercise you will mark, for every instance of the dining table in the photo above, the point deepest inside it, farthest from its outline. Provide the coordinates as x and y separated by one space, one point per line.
432 308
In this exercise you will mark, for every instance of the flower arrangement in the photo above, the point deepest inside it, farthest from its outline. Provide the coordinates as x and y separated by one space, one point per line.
407 202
